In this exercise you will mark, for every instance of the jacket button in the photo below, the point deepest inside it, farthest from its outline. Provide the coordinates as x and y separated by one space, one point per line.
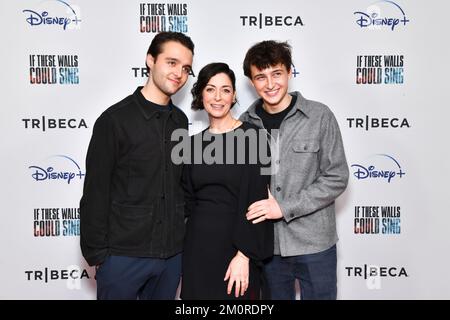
158 115
278 189
277 162
163 196
291 215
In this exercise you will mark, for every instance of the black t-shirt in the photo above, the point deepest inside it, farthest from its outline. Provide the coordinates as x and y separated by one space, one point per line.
273 120
150 104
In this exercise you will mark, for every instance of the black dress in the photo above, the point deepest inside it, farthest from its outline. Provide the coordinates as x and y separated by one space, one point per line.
217 197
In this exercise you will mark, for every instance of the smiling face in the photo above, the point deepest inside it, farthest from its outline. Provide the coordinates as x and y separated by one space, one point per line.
271 84
169 71
218 96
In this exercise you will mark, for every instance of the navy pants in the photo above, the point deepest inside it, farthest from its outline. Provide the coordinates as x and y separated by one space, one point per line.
132 278
316 274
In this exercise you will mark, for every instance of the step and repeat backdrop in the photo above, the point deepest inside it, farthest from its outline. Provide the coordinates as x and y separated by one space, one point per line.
381 66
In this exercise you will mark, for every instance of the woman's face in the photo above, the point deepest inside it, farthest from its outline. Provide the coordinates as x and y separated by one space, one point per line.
218 96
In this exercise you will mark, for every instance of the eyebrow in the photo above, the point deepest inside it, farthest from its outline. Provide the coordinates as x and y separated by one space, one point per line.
271 72
175 59
225 86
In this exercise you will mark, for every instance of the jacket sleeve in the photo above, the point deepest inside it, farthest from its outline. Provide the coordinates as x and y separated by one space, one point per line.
254 240
332 180
189 194
95 202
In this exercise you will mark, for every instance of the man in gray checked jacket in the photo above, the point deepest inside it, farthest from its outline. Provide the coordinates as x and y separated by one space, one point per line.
311 172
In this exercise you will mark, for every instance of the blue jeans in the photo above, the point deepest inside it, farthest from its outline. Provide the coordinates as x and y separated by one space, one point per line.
316 274
131 278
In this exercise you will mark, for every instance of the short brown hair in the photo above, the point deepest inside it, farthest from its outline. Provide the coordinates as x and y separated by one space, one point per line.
161 38
155 47
267 53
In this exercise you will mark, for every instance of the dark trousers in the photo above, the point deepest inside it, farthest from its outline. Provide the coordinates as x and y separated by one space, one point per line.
316 274
134 278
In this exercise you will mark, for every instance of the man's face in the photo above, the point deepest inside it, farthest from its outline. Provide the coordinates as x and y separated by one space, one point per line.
170 70
271 84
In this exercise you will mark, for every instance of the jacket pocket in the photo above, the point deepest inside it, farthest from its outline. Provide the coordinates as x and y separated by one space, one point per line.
305 146
130 226
304 159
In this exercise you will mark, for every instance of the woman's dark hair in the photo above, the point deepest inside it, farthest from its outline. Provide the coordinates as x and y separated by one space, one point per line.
207 72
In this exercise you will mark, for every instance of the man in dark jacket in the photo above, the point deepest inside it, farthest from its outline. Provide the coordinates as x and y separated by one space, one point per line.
132 218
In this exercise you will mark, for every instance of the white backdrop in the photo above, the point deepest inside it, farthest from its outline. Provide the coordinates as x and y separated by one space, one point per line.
94 52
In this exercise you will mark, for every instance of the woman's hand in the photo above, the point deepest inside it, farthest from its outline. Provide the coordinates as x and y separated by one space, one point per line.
237 273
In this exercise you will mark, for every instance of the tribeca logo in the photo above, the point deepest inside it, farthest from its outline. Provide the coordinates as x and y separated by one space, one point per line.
58 13
388 169
50 173
261 21
142 72
373 274
367 271
73 275
44 123
373 18
368 122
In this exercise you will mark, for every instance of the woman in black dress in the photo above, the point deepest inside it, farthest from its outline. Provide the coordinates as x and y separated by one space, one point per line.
223 251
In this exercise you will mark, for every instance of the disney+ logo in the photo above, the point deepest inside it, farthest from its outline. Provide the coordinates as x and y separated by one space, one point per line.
372 172
40 18
374 19
50 173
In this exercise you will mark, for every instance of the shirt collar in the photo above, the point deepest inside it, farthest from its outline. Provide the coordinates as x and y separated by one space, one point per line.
301 105
150 109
